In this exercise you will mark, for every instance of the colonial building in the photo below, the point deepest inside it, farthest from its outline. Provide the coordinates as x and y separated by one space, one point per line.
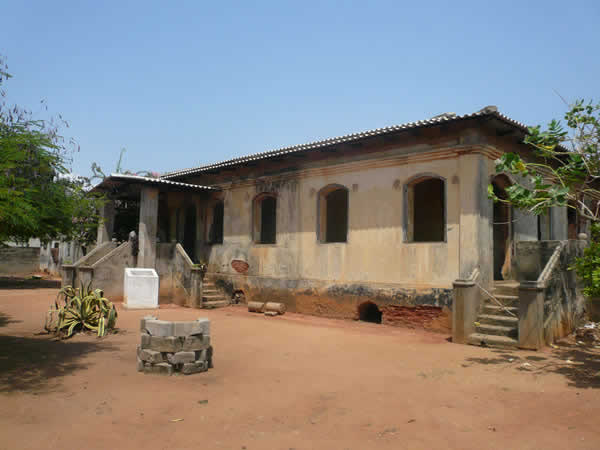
375 225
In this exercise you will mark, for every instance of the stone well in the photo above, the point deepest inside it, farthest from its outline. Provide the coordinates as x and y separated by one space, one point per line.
174 347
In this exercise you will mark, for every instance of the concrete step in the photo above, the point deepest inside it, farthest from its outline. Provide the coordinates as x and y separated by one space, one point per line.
209 291
493 308
492 341
211 297
497 330
506 287
492 319
215 304
506 300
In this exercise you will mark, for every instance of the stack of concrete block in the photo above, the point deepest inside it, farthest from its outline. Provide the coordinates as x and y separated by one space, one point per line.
174 347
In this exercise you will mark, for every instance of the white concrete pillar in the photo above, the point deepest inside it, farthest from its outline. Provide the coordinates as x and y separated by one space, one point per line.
148 228
105 228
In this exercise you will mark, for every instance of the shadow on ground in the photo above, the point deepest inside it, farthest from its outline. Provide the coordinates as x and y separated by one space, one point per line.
28 283
579 364
37 364
5 319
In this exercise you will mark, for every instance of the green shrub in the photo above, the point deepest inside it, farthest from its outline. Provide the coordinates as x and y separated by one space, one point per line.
588 266
83 309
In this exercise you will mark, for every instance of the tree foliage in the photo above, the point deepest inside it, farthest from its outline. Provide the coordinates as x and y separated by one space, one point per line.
38 196
567 169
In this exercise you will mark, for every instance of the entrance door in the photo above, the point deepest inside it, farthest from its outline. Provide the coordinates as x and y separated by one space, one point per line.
189 232
502 230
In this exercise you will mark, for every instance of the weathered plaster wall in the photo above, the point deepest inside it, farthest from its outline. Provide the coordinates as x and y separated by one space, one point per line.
19 260
375 264
108 273
561 303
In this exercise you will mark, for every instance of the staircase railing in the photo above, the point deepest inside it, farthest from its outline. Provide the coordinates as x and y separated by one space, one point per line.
551 305
465 307
187 277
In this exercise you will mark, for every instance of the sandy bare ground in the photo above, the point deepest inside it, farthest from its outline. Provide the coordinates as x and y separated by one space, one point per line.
291 382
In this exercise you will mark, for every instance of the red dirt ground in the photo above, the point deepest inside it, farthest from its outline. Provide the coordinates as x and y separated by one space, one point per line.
290 382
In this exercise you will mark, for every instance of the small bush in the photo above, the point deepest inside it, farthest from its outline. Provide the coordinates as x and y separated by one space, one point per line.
588 266
83 309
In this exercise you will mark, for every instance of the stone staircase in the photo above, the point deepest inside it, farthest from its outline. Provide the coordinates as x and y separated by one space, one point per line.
496 326
211 297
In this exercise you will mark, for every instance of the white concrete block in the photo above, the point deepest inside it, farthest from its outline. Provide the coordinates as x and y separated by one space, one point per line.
141 289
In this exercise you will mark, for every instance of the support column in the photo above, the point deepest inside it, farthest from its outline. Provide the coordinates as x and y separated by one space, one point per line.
525 226
531 315
195 300
105 228
559 224
476 248
148 227
465 308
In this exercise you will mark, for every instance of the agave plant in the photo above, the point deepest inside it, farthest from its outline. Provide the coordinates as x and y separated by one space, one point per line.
84 308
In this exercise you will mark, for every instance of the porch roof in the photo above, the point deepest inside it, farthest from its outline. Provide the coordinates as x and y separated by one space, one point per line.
118 182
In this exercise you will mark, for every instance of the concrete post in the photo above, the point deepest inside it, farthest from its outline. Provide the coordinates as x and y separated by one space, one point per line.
465 308
148 228
475 250
67 275
195 300
85 276
105 228
559 224
531 315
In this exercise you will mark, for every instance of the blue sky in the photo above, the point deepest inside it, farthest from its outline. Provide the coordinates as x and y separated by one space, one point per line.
179 84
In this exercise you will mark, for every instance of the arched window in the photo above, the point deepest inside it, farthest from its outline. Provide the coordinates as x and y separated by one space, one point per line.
425 210
215 221
333 214
265 219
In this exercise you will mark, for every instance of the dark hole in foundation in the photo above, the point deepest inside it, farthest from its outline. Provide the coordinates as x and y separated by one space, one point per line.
369 312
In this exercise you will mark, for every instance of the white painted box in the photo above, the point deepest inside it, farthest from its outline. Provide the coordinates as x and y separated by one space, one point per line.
141 289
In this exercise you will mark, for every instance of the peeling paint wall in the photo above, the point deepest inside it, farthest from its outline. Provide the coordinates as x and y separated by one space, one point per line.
376 263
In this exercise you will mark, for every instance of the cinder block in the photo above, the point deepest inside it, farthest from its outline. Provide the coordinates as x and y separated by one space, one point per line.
162 344
197 327
151 356
181 357
143 322
160 368
204 355
159 328
195 343
195 367
140 364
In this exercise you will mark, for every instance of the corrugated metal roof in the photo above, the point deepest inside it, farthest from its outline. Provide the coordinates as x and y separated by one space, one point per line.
437 120
119 177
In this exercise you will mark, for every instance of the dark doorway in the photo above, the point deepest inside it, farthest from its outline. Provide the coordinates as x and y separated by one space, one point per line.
502 230
189 232
369 312
215 235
